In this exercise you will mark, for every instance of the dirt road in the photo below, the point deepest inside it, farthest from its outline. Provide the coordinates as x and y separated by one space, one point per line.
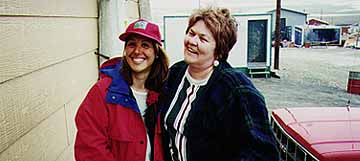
311 78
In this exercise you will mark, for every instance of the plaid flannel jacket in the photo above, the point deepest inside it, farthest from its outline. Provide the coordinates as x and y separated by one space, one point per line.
227 122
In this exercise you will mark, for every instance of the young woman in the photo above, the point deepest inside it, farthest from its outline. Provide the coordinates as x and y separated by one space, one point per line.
116 121
211 110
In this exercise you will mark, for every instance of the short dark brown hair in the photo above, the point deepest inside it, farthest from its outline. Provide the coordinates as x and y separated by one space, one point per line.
158 73
221 24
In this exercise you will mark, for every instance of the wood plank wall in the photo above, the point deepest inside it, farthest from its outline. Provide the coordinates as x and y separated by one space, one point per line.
47 65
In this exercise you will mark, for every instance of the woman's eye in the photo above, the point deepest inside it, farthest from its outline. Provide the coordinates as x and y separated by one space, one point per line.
130 44
203 39
145 45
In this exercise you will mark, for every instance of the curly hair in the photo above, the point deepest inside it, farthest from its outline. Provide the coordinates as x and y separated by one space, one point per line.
221 24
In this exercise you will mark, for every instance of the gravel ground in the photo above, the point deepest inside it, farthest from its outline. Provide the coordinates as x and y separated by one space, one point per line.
311 77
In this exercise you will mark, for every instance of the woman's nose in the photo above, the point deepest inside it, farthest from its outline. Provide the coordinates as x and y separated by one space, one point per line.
192 40
137 49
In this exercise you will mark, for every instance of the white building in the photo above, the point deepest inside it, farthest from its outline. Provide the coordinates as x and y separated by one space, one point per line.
288 20
251 53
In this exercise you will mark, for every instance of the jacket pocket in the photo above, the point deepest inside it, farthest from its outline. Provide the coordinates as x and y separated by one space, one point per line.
127 134
127 148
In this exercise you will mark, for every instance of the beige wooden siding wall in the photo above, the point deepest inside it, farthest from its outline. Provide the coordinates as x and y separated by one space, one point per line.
47 65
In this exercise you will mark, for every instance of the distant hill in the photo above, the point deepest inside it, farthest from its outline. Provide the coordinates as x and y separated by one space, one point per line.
337 19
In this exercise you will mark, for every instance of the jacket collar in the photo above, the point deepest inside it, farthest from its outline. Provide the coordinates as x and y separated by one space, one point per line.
119 90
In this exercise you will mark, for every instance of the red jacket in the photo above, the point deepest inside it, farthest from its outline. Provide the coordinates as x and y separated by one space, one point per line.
109 123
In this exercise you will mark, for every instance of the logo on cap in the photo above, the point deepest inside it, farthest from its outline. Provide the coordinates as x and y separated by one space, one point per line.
140 25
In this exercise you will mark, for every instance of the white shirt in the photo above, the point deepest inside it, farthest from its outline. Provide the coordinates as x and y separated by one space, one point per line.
141 102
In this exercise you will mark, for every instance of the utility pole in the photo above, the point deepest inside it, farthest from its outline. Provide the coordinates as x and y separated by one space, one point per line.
321 14
277 34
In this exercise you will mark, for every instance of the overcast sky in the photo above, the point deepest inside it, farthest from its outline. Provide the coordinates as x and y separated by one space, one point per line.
159 8
309 6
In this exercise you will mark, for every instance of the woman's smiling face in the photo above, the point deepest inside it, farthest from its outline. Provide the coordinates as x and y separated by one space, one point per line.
140 53
199 46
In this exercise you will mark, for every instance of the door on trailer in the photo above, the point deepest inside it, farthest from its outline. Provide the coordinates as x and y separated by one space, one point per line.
298 36
257 31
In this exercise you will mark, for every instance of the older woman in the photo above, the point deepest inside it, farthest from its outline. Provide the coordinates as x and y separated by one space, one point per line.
211 110
116 120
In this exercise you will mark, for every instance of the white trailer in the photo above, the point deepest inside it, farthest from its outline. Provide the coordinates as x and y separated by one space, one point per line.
252 50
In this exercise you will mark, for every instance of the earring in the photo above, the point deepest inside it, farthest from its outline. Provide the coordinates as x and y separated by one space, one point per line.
216 63
156 56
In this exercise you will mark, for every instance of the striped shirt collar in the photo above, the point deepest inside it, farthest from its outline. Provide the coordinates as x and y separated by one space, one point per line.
195 81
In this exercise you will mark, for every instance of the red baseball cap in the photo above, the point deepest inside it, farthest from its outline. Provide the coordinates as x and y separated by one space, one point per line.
144 28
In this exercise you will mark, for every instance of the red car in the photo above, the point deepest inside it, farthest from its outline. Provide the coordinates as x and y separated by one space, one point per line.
312 134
